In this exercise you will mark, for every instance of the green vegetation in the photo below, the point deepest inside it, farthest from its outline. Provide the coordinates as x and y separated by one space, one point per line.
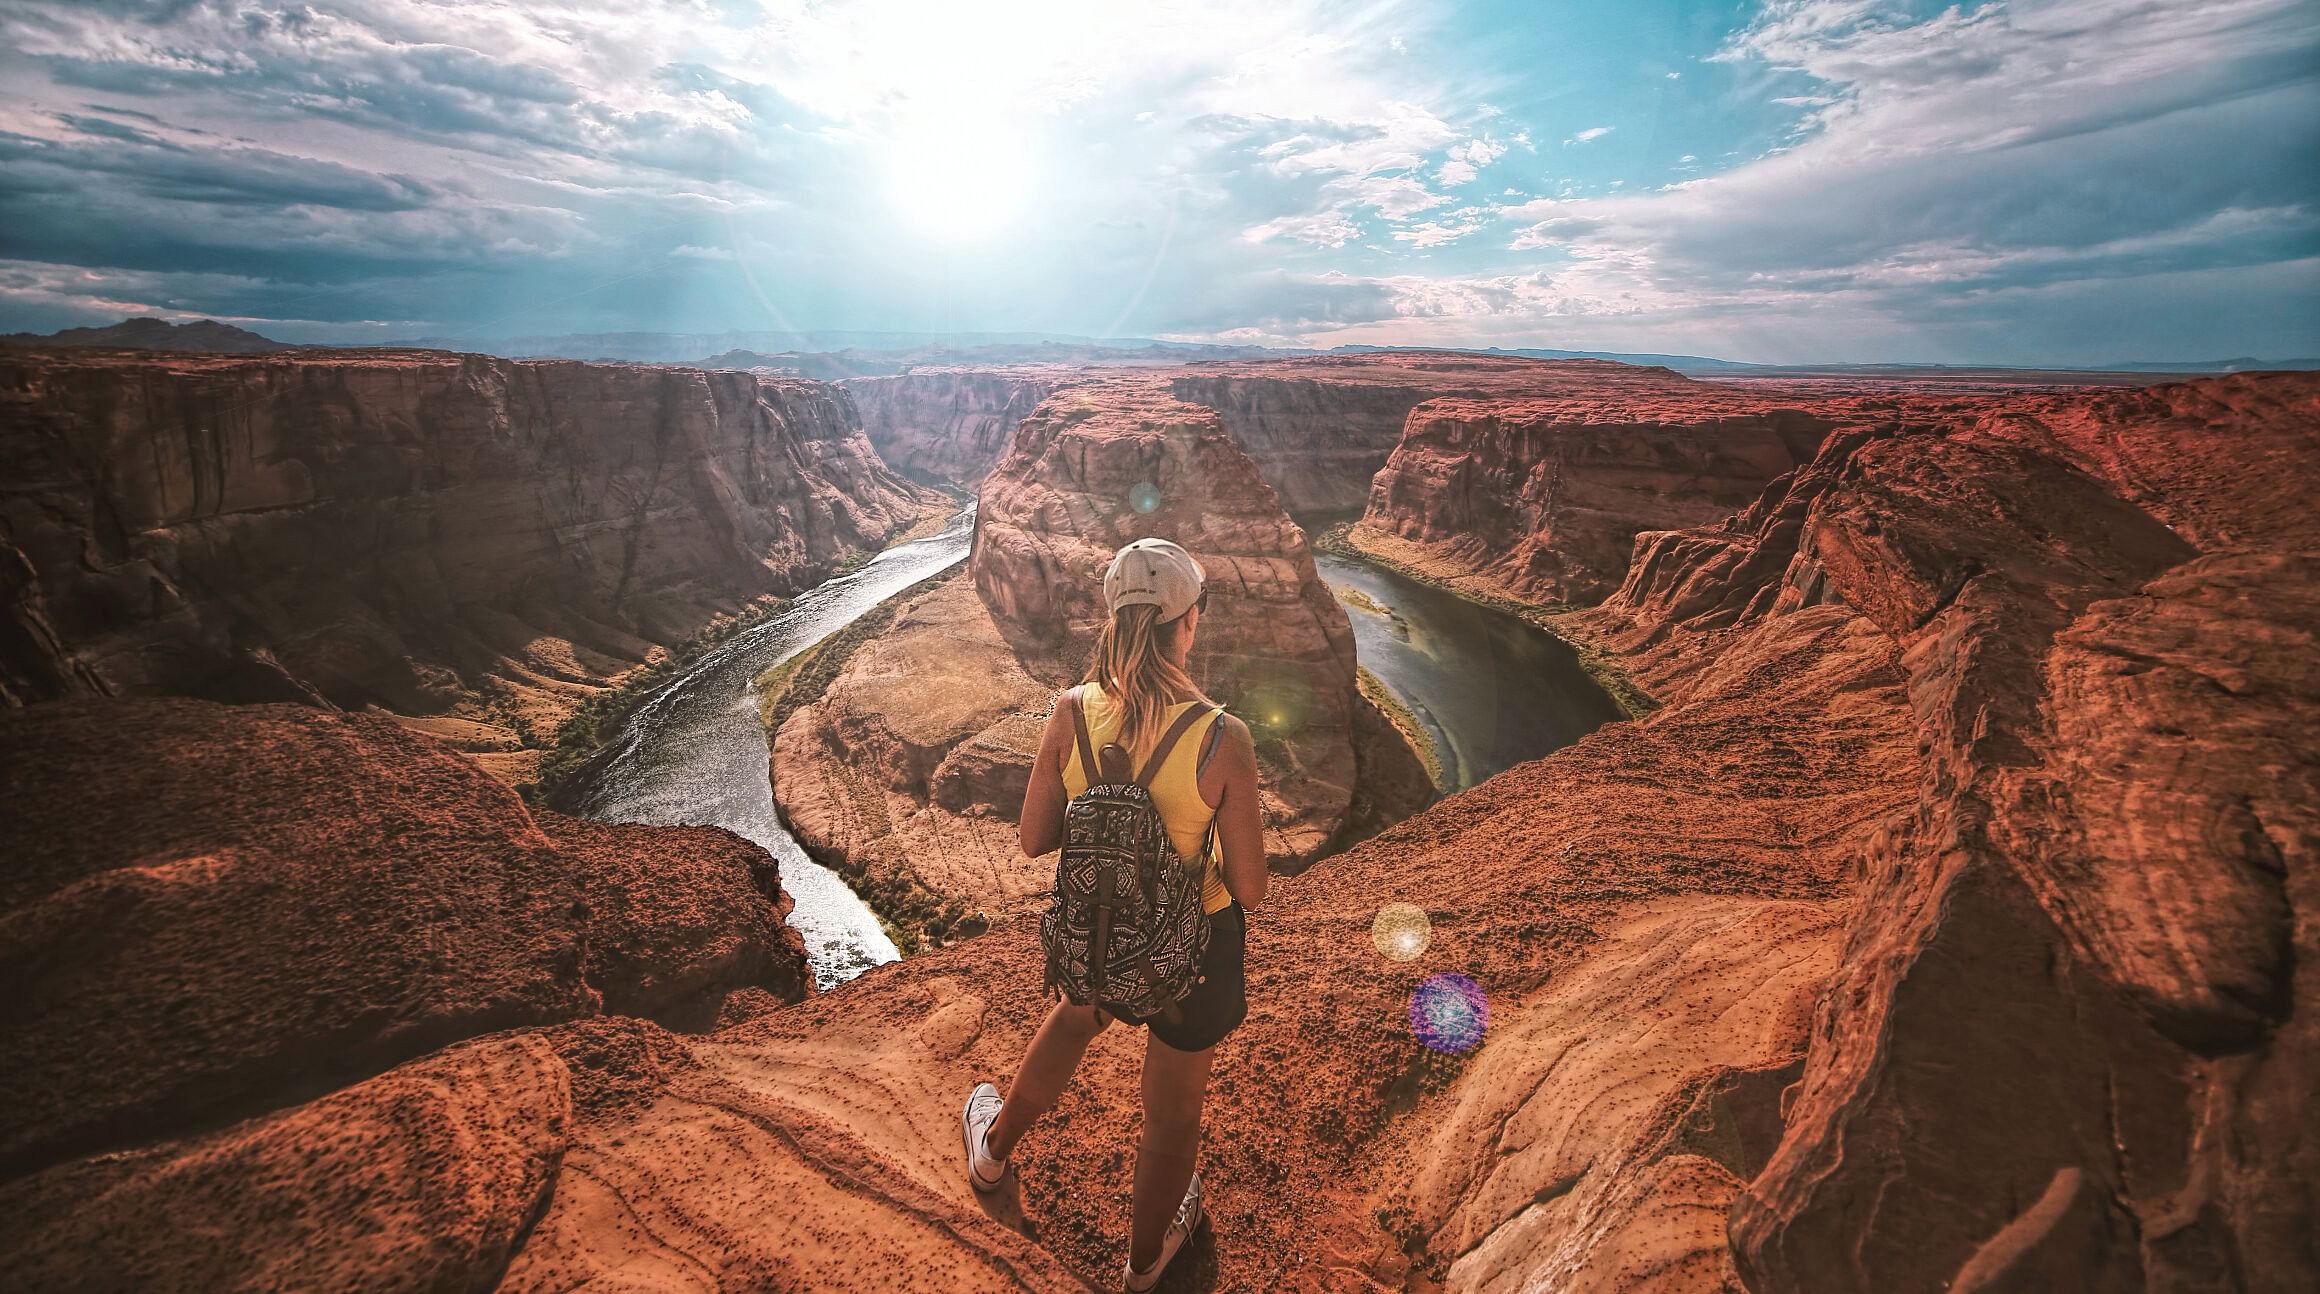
581 737
915 916
1401 717
1599 665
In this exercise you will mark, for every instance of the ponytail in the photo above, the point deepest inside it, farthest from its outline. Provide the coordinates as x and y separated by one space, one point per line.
1135 664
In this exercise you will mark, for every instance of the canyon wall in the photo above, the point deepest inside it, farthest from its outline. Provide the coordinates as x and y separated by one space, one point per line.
2070 1029
1319 428
950 424
1541 499
1315 440
422 531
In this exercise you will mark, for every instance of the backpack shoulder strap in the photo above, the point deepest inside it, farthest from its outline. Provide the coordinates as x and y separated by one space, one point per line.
1208 747
1087 754
1168 742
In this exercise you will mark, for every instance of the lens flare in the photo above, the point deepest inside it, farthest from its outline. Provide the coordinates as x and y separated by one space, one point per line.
1144 497
1275 698
1401 932
1449 1013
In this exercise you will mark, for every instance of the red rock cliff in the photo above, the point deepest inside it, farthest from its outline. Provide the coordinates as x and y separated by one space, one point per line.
951 423
1320 428
395 528
1099 465
2072 1015
1541 498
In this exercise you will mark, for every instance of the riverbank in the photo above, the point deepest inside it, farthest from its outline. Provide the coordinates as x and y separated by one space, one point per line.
1405 722
559 776
914 914
1351 540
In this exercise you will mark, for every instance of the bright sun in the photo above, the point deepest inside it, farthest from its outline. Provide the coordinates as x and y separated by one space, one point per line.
961 178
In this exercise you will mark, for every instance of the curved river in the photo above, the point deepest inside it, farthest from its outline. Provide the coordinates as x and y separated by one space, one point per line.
1489 689
694 751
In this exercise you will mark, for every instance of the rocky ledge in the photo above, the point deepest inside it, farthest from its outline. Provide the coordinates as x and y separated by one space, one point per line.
221 909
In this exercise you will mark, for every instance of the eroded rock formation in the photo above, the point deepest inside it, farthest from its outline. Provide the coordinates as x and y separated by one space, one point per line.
216 908
427 532
1320 428
1540 499
2072 987
950 424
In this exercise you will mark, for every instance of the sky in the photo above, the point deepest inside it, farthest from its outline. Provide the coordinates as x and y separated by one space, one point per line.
1801 181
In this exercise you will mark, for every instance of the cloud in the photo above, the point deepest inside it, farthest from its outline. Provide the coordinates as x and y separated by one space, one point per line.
1465 161
1946 162
1321 228
1434 233
1188 165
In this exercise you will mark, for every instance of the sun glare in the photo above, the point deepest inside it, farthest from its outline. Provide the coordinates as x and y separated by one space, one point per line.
961 180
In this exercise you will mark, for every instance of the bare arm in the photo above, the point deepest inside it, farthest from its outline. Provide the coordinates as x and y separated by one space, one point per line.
1040 827
1240 825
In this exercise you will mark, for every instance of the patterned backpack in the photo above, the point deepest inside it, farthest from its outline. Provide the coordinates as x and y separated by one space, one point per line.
1126 930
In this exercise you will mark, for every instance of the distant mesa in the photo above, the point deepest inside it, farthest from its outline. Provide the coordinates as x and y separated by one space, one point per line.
206 335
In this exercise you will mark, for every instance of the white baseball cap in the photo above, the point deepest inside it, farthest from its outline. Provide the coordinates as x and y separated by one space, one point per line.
1153 572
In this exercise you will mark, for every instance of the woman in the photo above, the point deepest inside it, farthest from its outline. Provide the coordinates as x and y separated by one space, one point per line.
1134 690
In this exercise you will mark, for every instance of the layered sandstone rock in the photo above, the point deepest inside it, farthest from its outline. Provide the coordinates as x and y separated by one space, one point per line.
422 531
1541 499
223 906
2078 960
1320 428
1103 464
1317 431
950 424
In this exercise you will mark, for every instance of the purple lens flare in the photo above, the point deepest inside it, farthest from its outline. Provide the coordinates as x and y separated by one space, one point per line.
1449 1013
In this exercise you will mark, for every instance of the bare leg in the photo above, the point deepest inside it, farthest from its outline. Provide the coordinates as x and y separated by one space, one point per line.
1175 1083
1046 1068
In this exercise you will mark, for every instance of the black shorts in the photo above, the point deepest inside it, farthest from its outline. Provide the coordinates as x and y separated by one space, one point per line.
1219 1001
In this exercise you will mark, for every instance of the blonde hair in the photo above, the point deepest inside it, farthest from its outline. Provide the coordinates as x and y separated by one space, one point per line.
1135 663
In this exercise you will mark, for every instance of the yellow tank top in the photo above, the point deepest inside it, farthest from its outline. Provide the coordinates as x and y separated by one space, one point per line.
1175 788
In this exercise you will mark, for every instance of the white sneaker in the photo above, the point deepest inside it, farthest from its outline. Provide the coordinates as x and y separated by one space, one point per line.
984 1173
1179 1231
